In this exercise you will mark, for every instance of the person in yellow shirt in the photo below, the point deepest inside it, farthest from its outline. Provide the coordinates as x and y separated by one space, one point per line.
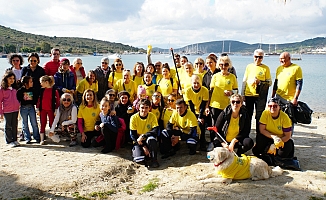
274 138
199 65
168 110
183 125
197 98
233 125
116 73
88 114
139 70
149 86
222 86
167 84
185 78
256 81
143 132
89 82
126 84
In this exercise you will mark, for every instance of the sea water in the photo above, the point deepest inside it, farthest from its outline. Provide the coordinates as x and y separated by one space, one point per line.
313 68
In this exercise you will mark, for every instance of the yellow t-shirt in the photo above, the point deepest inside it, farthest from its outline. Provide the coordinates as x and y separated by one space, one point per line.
261 72
233 129
200 74
220 83
158 77
196 98
239 169
167 113
166 86
90 115
151 89
130 88
139 80
117 76
287 77
186 122
156 112
185 81
84 85
143 126
275 126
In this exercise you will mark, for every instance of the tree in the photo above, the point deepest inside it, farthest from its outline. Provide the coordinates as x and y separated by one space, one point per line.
45 47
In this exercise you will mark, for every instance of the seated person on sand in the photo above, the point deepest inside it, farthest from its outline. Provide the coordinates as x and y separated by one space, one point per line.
64 123
233 124
274 139
183 124
143 132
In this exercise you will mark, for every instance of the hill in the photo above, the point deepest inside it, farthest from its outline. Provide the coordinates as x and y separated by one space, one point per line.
12 40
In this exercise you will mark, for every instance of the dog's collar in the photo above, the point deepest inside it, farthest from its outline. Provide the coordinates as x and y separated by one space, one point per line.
216 165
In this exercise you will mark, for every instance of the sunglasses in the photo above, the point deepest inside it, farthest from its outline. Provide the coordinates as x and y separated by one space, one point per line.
33 61
105 63
171 100
225 64
79 63
118 64
237 102
199 63
157 65
55 54
259 57
157 96
15 60
112 95
272 106
64 99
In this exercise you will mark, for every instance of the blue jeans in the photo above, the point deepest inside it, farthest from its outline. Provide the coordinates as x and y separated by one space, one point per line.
26 111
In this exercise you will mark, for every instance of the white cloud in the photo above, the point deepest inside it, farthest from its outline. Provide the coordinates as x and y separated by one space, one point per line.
164 22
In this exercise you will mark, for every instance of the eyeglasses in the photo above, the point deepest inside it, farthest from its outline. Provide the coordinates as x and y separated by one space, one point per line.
171 100
199 63
259 57
118 64
79 63
64 99
15 60
32 61
272 106
225 64
112 95
126 70
237 102
157 96
105 63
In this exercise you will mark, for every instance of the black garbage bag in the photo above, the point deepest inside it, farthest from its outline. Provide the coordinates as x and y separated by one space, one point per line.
302 113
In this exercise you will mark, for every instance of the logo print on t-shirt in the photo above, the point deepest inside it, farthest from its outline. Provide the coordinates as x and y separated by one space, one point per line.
279 127
148 126
93 114
228 82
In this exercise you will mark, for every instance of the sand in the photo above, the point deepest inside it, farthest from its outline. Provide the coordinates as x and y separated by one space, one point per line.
57 171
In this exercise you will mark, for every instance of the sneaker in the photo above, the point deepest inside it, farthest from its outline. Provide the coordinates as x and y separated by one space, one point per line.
169 154
42 142
12 144
210 147
155 164
17 143
73 143
28 142
106 150
192 151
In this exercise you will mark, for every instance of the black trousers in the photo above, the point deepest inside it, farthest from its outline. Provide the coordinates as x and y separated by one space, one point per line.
243 146
166 145
89 136
138 153
263 143
259 105
215 112
109 141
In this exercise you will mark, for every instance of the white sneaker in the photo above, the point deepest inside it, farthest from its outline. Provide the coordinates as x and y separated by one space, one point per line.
17 143
12 144
42 142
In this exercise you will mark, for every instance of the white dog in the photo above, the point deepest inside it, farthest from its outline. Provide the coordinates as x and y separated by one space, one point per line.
231 167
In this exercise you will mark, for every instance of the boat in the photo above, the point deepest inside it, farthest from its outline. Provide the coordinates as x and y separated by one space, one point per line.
114 56
299 57
96 53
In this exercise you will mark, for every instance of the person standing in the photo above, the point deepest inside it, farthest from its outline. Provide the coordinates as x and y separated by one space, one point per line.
256 81
16 61
78 70
52 66
102 75
64 78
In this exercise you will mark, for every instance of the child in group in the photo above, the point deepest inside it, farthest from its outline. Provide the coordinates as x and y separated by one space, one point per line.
141 94
108 125
49 100
9 107
27 96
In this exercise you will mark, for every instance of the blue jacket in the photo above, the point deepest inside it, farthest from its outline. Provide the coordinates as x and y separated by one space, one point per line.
64 80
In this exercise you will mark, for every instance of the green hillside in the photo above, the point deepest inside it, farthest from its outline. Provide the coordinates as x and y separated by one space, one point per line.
16 41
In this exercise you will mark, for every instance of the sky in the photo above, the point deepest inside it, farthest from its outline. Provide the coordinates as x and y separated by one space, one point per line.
169 23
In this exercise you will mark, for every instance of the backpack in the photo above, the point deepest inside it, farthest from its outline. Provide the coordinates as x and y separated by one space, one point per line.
302 113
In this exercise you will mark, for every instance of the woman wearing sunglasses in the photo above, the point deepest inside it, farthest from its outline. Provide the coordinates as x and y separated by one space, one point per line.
116 74
233 125
199 65
274 138
64 123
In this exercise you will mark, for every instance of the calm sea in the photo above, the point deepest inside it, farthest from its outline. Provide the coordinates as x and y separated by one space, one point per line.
313 67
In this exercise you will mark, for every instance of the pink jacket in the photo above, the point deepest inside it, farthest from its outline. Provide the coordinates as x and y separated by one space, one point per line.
8 100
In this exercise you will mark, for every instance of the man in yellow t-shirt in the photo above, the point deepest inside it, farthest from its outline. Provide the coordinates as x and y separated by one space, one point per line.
183 124
143 131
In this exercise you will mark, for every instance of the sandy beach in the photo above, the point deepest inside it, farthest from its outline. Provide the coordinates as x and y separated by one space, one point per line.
57 171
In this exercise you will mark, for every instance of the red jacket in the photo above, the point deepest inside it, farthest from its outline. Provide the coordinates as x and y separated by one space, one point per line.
51 67
81 69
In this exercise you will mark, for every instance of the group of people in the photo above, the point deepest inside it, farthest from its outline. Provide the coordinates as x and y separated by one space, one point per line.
154 108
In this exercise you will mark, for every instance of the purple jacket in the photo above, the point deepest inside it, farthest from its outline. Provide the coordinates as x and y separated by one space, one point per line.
8 100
